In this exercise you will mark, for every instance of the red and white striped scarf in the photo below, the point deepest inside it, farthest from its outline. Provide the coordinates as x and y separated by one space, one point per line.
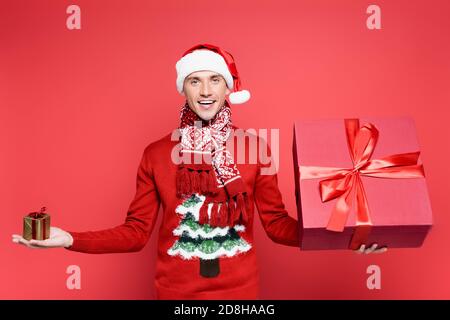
208 168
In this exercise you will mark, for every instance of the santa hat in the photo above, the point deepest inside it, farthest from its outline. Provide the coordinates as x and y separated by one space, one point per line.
212 59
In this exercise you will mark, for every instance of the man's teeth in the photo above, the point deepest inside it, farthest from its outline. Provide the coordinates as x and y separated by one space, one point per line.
206 101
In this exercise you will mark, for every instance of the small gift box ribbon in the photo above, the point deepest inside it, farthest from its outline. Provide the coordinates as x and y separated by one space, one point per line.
346 185
38 215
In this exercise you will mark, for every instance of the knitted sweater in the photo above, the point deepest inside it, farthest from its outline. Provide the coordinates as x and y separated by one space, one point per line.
182 241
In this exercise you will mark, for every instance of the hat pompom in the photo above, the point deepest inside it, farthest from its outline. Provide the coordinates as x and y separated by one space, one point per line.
239 97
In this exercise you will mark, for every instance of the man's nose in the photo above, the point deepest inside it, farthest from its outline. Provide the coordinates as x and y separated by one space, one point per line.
205 90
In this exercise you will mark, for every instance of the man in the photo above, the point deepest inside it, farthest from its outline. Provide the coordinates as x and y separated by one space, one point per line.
205 248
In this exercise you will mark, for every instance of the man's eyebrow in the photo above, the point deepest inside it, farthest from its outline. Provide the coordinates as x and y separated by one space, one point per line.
197 78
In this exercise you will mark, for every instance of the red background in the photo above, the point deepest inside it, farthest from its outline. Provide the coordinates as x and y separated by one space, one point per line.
79 106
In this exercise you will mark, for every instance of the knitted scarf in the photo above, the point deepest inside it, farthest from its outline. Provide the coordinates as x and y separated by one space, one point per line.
207 168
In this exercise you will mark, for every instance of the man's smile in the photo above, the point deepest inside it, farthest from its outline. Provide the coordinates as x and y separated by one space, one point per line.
206 104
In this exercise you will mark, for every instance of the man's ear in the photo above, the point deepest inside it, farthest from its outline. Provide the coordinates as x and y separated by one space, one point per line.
227 91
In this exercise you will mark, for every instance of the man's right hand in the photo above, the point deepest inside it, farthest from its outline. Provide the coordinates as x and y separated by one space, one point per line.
58 239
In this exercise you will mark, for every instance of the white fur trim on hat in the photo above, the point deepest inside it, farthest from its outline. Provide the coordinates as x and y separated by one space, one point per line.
200 60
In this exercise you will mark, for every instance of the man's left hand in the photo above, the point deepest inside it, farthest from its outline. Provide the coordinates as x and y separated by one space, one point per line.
372 249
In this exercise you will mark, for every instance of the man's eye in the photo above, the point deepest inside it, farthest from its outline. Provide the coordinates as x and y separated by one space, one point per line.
216 80
194 82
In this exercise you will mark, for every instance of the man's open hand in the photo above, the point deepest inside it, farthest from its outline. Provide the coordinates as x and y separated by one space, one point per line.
58 239
372 249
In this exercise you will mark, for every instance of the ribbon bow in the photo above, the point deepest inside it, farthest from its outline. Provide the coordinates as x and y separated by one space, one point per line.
38 215
346 185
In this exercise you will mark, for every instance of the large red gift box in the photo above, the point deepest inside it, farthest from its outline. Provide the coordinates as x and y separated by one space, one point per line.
360 181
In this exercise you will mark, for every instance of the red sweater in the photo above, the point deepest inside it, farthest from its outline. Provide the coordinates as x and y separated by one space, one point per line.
177 277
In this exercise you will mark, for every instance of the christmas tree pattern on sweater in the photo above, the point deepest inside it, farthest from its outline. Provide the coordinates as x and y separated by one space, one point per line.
204 241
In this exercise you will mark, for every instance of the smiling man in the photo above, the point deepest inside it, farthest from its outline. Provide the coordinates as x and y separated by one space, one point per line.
205 93
205 248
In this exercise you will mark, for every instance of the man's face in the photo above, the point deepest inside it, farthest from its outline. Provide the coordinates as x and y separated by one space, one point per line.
205 93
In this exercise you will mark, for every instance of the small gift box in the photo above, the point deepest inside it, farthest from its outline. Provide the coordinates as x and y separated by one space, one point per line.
359 181
36 225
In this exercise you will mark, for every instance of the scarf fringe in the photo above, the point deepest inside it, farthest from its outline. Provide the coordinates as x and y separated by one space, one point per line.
240 214
189 181
203 214
229 213
214 214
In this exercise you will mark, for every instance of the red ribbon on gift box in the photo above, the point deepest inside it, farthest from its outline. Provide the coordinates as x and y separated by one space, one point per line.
346 185
34 224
